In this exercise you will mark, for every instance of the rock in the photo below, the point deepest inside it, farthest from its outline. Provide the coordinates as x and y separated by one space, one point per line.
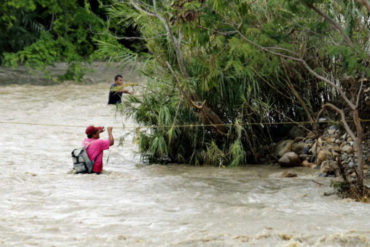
330 140
284 147
303 156
298 147
319 142
329 167
311 158
323 155
334 154
305 163
336 148
295 132
306 149
288 175
351 164
347 149
289 159
344 156
299 139
310 135
313 149
332 129
322 120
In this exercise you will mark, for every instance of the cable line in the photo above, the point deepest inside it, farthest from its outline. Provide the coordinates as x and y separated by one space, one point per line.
177 125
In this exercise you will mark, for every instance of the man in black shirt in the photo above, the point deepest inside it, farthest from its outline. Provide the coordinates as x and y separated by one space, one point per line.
116 90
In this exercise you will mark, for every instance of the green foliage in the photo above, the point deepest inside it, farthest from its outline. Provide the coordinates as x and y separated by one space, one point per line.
229 51
340 187
38 33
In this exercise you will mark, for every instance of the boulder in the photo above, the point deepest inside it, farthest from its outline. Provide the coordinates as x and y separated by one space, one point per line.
334 154
323 155
313 149
303 156
330 140
336 148
289 159
295 132
332 129
329 167
288 175
298 147
319 142
306 163
347 149
299 139
310 135
284 147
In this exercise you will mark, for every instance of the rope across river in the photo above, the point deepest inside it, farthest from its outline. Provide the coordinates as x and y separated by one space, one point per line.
178 125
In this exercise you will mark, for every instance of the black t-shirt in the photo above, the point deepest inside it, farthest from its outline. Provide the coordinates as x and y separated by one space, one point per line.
114 97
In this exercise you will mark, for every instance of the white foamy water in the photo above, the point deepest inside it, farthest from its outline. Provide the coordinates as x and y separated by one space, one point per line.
131 204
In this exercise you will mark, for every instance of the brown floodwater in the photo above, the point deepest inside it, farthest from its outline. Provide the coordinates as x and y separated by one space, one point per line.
132 204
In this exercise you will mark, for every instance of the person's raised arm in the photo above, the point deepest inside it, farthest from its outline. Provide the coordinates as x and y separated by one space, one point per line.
111 139
126 91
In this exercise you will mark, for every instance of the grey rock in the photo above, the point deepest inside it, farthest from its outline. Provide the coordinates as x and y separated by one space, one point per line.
298 147
332 129
329 167
347 149
289 159
296 132
351 164
284 147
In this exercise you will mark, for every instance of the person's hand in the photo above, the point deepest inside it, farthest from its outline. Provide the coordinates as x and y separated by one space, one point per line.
109 129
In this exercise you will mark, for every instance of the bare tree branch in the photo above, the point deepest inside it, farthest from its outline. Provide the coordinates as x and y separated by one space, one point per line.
343 119
188 97
296 94
365 3
136 6
332 22
167 26
359 91
298 59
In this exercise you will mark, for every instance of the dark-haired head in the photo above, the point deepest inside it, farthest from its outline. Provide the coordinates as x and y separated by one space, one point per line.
117 76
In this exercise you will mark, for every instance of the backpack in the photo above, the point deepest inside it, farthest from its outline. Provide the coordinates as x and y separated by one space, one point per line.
81 160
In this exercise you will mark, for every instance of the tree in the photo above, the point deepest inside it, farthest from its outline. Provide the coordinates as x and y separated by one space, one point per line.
248 62
38 33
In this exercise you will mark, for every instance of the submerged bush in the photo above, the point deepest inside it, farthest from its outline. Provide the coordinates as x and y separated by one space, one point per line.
222 73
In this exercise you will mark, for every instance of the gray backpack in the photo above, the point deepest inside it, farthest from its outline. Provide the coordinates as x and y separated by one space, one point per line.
81 160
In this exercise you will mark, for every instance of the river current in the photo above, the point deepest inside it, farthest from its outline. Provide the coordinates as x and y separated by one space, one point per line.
133 204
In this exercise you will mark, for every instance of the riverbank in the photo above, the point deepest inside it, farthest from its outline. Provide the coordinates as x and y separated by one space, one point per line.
95 72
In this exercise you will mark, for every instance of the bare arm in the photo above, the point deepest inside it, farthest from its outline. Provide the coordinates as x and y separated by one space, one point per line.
111 139
120 89
126 91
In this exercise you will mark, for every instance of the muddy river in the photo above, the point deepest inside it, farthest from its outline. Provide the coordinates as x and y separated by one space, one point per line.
133 204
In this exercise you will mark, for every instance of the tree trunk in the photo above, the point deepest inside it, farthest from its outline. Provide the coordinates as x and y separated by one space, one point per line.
359 151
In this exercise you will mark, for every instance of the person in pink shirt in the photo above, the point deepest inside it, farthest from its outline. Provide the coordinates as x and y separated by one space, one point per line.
97 145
